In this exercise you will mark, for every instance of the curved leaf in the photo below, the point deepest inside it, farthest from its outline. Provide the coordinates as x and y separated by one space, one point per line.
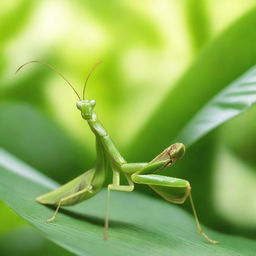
167 230
41 142
198 22
15 243
219 64
230 102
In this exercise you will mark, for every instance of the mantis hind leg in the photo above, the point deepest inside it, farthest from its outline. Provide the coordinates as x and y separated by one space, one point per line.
173 190
63 200
198 225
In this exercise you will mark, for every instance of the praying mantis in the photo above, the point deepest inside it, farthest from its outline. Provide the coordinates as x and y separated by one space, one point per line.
88 184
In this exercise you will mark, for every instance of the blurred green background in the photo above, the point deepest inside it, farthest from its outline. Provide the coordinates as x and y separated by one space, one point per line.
162 61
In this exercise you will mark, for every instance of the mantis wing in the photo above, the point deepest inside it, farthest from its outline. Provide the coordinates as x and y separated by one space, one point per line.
89 182
79 183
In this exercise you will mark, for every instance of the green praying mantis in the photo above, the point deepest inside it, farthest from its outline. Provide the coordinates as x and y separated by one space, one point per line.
88 184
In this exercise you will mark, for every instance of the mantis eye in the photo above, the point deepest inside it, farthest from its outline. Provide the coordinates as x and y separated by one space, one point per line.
78 105
93 103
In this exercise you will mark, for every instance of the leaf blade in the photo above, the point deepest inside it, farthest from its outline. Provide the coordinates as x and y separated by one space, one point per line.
235 99
218 64
133 230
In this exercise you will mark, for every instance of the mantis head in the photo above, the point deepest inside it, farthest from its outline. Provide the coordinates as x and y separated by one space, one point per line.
86 107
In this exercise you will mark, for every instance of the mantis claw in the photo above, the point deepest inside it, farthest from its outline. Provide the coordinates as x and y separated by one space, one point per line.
50 219
208 238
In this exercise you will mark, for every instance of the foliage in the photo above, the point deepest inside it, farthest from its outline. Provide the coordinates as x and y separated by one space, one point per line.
172 70
79 229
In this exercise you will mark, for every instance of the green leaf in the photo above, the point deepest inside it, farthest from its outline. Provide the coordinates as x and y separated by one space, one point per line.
13 21
139 225
15 243
235 99
41 142
26 89
219 63
197 22
11 220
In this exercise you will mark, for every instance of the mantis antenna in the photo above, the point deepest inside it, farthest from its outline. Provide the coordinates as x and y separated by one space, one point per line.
88 76
53 69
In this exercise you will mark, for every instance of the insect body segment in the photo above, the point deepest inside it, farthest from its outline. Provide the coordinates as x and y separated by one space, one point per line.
87 185
72 187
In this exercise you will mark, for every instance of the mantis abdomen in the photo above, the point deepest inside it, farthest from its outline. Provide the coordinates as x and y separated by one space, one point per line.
68 190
